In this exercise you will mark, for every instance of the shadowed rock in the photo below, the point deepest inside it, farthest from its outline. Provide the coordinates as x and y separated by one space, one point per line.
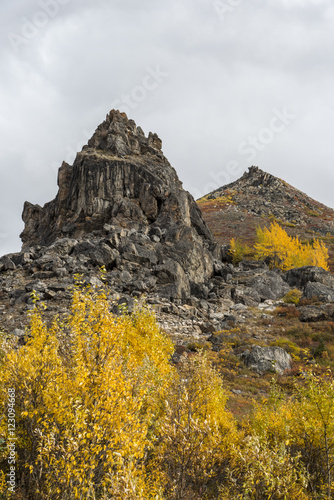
122 181
120 176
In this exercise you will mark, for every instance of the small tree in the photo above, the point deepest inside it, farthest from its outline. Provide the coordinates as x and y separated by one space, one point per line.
314 420
197 431
238 251
286 252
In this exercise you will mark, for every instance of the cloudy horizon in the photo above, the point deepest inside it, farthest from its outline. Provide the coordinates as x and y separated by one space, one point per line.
224 84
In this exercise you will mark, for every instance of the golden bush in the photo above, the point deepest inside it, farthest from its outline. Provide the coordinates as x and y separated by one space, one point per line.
88 399
286 252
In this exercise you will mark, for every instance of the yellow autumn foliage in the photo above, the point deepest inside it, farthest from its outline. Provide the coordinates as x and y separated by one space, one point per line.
197 432
88 398
304 427
102 414
286 252
238 251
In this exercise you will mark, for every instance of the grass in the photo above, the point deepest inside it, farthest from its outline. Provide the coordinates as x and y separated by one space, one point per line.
309 344
313 213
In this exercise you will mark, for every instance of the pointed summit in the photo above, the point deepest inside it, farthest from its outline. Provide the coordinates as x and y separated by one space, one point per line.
258 177
122 181
121 176
254 177
257 199
121 137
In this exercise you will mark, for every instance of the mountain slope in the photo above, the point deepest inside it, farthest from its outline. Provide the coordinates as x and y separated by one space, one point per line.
257 199
121 207
121 176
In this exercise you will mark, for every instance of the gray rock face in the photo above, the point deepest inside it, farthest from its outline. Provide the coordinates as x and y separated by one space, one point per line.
321 292
270 286
316 313
314 281
258 285
245 295
300 276
263 359
99 254
121 177
6 263
122 205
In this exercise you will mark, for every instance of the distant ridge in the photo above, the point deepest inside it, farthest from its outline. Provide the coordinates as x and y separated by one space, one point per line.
257 198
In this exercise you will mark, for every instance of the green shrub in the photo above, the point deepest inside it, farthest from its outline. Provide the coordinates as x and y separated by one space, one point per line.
238 251
293 297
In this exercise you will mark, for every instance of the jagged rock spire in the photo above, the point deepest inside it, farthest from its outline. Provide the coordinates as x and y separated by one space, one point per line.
119 136
119 176
121 179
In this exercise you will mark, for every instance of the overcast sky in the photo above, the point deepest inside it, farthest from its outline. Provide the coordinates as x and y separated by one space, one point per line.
226 84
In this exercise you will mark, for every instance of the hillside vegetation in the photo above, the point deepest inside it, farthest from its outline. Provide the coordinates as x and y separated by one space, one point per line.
101 413
143 359
282 251
256 200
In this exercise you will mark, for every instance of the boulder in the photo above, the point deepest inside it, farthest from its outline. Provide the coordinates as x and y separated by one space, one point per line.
98 252
6 263
322 292
140 253
48 262
23 258
270 286
316 313
63 246
299 277
263 359
19 296
172 282
245 295
37 286
253 265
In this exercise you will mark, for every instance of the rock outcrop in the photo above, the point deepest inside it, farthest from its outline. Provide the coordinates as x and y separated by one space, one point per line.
302 276
123 196
121 177
314 281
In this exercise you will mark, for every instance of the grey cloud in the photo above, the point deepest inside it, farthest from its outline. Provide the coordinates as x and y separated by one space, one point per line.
225 78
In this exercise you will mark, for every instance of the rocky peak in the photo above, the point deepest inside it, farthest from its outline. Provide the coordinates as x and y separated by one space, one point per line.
121 176
262 194
120 136
257 199
257 177
122 184
252 181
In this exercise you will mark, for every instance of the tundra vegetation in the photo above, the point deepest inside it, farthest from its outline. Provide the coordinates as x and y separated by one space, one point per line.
102 413
281 250
286 252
